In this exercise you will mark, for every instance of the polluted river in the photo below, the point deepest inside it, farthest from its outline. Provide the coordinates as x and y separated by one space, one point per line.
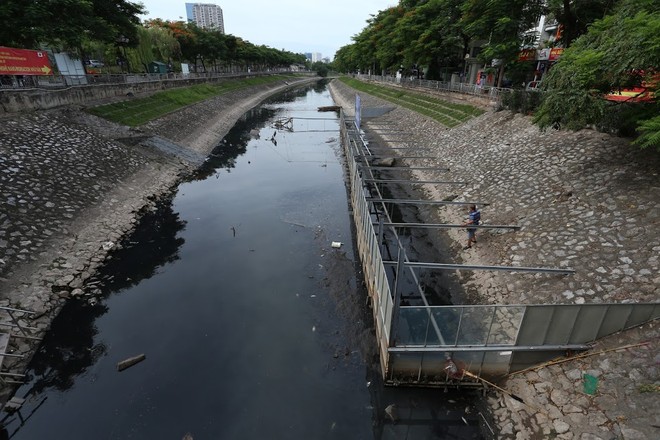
253 323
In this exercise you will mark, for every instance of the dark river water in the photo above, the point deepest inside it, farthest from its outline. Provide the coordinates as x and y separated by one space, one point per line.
253 326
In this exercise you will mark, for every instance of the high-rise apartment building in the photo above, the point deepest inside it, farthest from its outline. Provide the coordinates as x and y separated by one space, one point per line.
206 15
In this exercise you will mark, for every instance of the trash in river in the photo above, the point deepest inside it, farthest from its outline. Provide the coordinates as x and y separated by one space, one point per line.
336 244
14 404
107 245
391 412
590 384
127 363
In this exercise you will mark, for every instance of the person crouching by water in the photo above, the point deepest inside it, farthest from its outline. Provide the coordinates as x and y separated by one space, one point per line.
474 217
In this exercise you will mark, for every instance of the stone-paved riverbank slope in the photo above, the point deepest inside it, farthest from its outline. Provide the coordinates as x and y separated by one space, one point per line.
72 185
585 200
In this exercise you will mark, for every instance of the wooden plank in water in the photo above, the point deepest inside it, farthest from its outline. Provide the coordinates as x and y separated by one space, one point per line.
127 363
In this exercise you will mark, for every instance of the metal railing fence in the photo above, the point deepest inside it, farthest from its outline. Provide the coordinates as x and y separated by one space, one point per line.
368 248
490 92
51 82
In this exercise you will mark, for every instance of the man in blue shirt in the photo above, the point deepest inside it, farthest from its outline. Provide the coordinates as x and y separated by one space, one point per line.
474 217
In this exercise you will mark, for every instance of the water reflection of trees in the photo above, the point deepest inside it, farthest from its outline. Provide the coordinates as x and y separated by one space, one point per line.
321 86
289 96
68 350
234 143
153 244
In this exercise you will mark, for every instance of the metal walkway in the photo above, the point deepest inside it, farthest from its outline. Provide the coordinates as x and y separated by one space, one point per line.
457 345
13 325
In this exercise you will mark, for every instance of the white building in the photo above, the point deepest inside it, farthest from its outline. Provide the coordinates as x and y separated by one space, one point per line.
316 56
206 15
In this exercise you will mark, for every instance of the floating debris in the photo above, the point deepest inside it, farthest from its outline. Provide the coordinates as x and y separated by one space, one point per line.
392 413
283 124
127 363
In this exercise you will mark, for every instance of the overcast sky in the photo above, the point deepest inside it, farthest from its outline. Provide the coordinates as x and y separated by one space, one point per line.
298 26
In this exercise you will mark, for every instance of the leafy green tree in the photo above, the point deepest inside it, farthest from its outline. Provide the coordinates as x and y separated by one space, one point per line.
320 68
215 50
373 49
621 50
365 48
213 47
430 34
155 43
649 130
345 60
116 18
383 39
575 16
232 43
504 25
184 35
67 23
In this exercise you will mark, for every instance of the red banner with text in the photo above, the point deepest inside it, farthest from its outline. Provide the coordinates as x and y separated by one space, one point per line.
24 62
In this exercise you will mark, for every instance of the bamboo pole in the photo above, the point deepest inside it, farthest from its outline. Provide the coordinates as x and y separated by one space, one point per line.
508 393
580 356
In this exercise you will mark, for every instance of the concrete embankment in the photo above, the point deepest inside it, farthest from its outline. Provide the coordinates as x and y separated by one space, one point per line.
99 88
72 185
585 200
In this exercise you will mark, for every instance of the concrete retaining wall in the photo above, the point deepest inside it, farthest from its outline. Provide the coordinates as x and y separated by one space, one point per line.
13 101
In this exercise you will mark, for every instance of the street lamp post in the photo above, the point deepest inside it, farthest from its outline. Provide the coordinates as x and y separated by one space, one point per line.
123 41
465 68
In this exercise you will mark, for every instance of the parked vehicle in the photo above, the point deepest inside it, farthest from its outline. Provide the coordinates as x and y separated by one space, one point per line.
533 85
95 63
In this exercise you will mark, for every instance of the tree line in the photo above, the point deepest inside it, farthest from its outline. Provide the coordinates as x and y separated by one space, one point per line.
111 30
609 45
208 49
